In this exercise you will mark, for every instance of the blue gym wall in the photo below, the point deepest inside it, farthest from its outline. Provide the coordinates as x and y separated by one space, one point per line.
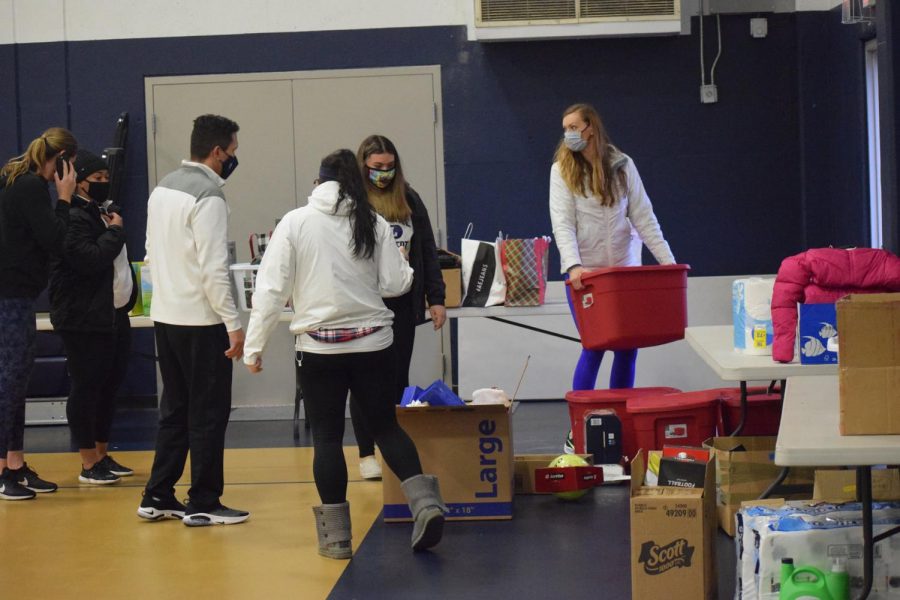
776 166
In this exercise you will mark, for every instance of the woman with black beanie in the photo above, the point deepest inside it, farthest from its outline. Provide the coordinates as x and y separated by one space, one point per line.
92 288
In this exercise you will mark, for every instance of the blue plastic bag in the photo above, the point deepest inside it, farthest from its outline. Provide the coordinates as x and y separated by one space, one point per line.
438 394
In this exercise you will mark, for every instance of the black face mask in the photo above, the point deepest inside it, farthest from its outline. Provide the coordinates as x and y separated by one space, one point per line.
98 191
229 166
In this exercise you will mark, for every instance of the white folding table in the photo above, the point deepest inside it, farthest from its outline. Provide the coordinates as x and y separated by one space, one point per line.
810 437
714 344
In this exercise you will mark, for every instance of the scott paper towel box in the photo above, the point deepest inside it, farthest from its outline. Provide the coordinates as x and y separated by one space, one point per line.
818 334
751 309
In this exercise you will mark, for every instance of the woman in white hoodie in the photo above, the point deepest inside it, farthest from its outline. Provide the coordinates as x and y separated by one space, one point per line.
601 215
336 259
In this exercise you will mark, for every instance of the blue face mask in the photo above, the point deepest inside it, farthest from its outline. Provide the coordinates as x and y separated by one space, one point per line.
574 141
229 166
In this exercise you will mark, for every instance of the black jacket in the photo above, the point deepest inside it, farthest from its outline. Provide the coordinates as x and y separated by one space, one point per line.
81 279
31 231
428 284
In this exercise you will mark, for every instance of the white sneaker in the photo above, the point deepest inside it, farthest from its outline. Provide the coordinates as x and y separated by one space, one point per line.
369 468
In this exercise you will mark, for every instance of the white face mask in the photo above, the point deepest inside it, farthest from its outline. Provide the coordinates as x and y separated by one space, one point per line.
574 141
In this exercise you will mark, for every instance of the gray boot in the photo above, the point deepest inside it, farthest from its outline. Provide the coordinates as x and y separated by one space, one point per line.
427 509
333 527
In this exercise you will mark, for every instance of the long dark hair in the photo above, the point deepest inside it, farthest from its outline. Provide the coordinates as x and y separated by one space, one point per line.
342 167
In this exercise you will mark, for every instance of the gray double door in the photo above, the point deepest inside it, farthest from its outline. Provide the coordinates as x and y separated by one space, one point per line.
288 122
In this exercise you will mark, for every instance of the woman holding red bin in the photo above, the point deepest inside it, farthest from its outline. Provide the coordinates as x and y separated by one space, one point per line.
601 216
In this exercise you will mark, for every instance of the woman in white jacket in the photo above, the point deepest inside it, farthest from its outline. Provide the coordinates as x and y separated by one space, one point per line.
601 215
336 259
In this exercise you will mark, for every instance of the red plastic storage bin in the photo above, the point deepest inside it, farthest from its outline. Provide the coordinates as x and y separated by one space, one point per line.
763 412
621 308
585 402
685 419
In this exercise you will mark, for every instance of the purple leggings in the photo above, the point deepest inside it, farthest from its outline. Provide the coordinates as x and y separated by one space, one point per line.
585 377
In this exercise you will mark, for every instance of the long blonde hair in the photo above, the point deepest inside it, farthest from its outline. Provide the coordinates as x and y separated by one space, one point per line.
39 151
575 168
390 202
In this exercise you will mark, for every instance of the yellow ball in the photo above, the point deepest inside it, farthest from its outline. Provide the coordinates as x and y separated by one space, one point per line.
569 460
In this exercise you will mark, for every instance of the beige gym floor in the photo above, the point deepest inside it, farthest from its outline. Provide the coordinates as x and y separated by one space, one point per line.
87 542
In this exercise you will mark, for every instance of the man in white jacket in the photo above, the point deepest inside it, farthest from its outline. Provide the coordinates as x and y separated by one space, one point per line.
197 328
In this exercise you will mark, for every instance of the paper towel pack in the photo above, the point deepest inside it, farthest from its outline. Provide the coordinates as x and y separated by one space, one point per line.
751 309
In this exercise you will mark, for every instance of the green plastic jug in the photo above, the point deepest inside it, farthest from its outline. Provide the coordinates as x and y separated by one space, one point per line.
809 583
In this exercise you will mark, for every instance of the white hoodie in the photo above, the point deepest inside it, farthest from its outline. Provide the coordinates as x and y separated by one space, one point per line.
310 260
595 236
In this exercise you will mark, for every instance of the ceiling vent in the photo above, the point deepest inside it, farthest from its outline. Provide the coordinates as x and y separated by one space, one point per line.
543 19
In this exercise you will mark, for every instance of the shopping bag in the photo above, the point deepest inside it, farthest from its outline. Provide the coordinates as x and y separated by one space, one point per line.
482 276
525 263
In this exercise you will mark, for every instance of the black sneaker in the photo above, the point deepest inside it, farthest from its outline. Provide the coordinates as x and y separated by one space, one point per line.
97 475
11 489
154 508
115 468
220 515
28 478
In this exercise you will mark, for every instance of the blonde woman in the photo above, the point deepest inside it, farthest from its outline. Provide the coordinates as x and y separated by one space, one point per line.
395 200
30 233
601 216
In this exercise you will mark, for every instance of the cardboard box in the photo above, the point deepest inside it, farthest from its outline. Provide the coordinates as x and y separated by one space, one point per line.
745 467
524 466
839 485
672 542
870 364
818 326
470 450
452 286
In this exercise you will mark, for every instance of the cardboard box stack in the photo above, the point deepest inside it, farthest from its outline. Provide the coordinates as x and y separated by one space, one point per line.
745 467
869 363
672 541
470 450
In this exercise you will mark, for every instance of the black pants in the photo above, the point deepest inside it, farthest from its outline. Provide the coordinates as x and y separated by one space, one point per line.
404 327
97 363
193 411
17 337
326 379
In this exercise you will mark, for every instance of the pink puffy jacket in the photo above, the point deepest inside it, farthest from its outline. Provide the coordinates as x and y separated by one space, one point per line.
825 275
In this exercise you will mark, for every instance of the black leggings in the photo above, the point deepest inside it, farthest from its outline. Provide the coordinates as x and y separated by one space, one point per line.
325 380
97 363
404 328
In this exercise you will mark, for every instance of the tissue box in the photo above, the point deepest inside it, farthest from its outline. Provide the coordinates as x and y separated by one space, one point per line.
470 450
818 327
751 311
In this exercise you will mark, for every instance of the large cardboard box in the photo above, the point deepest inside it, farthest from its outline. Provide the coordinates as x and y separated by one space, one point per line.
839 485
672 539
470 450
869 363
745 467
524 466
